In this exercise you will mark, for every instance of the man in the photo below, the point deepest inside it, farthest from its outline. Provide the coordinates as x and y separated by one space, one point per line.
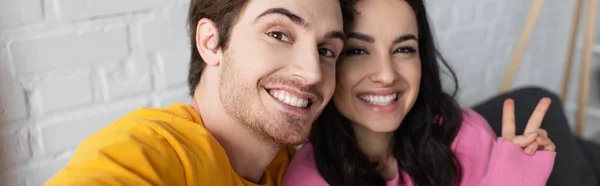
261 72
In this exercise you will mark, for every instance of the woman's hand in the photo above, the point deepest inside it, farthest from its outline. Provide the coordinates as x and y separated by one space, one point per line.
534 137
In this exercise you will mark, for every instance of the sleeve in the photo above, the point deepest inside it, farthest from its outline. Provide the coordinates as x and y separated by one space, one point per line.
491 161
132 156
509 165
302 170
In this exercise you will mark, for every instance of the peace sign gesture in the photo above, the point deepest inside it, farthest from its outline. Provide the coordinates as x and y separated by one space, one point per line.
534 137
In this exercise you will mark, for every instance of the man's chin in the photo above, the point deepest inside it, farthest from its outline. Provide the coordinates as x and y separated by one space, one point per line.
285 137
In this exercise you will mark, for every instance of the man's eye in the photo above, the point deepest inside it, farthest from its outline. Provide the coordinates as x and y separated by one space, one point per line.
326 52
279 36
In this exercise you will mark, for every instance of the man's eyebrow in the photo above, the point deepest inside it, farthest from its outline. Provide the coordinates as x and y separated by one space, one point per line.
285 12
336 35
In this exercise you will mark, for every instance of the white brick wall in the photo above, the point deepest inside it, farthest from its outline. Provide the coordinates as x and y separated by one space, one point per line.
12 98
70 67
15 13
77 9
46 54
58 93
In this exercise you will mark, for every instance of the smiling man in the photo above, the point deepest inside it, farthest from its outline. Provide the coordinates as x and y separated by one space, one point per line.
261 72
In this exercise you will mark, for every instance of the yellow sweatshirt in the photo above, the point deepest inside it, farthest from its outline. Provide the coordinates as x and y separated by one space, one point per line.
168 146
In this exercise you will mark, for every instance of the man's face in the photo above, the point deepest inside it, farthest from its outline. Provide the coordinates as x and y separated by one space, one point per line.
278 71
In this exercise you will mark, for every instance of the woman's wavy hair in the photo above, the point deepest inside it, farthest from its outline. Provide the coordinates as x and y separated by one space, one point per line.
422 143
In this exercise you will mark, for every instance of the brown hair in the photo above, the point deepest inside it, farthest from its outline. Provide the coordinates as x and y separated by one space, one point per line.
225 13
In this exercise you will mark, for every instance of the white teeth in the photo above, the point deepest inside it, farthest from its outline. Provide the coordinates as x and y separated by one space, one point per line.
289 99
380 99
294 101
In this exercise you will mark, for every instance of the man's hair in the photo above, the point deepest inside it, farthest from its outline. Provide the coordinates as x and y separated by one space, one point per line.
225 14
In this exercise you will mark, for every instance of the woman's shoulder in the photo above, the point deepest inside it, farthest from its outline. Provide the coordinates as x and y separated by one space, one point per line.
474 124
304 156
302 170
474 132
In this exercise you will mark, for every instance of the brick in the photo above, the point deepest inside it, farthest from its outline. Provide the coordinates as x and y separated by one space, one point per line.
469 41
471 77
68 50
168 32
516 7
489 10
179 95
172 68
549 62
494 75
538 44
12 178
464 13
502 51
13 104
14 148
67 134
78 9
65 92
443 18
551 17
127 82
523 76
44 171
14 13
469 98
502 30
3 55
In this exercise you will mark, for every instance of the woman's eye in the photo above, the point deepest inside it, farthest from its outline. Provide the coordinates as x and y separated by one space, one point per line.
405 50
354 51
278 35
326 52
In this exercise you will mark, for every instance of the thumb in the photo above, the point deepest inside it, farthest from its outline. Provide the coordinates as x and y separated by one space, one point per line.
524 140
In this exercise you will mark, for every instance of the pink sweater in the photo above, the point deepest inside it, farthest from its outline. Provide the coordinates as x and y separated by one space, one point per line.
485 159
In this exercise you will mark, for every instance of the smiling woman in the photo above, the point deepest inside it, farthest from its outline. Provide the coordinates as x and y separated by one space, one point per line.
390 122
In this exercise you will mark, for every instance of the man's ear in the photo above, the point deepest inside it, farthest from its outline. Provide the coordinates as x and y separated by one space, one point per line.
207 40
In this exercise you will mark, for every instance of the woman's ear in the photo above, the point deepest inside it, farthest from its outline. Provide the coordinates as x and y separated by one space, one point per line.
207 40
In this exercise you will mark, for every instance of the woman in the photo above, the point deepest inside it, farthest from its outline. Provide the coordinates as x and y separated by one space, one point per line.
389 121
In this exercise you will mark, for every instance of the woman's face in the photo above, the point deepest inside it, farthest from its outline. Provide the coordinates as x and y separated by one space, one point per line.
379 75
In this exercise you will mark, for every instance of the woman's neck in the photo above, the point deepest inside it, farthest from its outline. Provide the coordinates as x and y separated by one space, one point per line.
376 146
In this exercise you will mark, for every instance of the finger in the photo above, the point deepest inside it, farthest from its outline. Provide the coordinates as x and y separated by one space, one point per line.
545 143
535 121
508 119
524 141
531 148
542 132
550 147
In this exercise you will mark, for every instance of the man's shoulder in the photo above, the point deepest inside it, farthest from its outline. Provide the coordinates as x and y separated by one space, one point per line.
166 142
284 155
157 120
154 124
175 113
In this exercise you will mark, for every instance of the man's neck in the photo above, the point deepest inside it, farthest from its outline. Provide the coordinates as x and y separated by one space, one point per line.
248 155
